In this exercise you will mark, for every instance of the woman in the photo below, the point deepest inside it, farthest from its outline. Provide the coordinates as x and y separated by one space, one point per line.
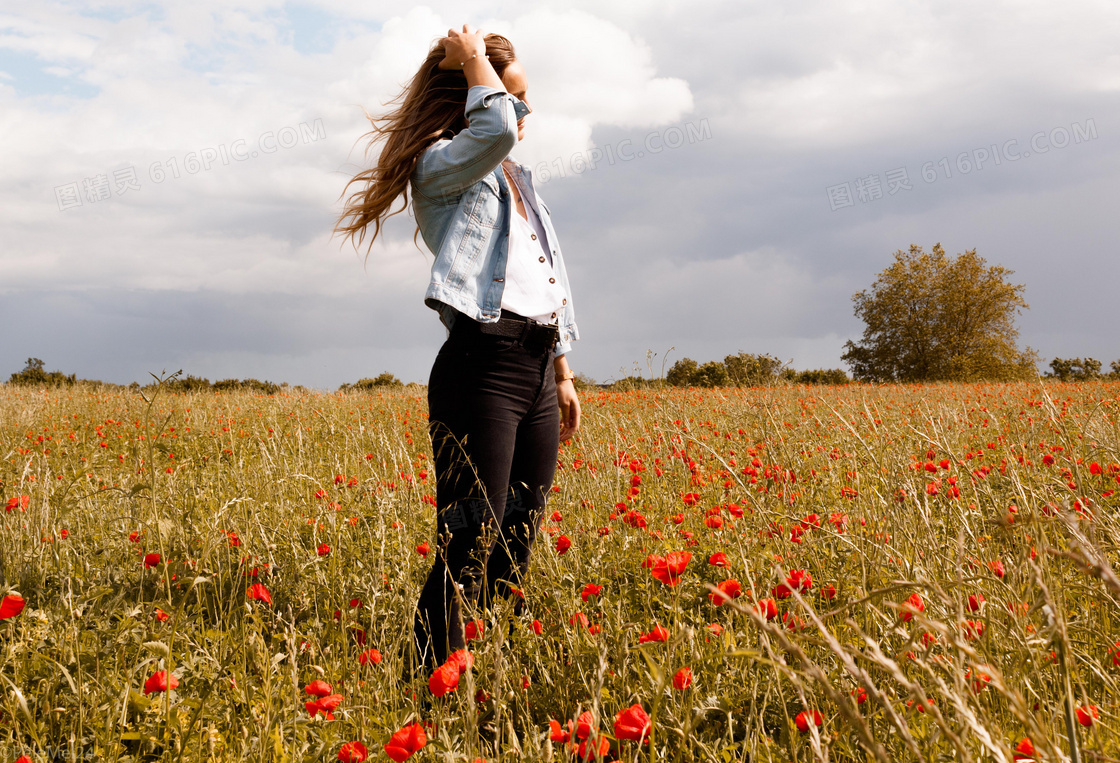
500 394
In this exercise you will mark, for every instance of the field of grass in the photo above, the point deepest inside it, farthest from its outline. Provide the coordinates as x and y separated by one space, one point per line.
795 573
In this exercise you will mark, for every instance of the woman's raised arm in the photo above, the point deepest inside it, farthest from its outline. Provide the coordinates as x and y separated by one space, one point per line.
447 168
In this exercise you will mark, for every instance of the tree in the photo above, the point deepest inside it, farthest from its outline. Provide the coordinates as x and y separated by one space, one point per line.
711 374
930 317
34 375
385 379
683 372
1075 369
747 370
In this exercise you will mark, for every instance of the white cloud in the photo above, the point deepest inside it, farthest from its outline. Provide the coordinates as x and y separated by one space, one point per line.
798 96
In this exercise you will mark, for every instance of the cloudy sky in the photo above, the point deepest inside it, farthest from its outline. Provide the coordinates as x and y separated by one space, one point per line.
723 175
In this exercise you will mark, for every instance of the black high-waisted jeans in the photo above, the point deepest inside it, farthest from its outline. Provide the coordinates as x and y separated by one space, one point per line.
495 429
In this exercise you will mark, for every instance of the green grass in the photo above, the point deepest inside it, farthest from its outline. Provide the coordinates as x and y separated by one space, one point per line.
235 488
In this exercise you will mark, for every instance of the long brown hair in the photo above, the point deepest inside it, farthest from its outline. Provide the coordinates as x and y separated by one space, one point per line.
432 104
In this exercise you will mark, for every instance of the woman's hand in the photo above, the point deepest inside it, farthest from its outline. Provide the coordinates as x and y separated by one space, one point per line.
569 408
459 47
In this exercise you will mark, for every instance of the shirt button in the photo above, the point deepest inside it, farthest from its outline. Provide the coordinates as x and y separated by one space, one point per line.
564 302
554 315
533 236
542 258
552 280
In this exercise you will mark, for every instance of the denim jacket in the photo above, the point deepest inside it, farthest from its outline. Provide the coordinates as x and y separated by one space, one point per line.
463 207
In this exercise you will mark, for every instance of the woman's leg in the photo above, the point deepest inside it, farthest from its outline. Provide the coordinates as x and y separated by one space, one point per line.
478 393
531 475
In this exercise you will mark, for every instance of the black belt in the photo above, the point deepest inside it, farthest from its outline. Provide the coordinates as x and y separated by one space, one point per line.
527 330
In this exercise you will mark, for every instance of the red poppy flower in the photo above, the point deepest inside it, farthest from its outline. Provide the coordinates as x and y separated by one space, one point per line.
590 590
828 591
11 606
683 679
973 629
767 608
592 748
585 725
423 549
799 580
259 592
445 679
632 723
794 622
719 559
537 627
669 569
726 591
324 705
563 543
405 742
860 694
1087 715
557 733
579 618
20 502
318 688
806 717
158 681
912 605
368 656
323 549
659 633
691 499
151 560
474 629
975 601
1024 750
980 680
921 706
356 752
461 659
996 566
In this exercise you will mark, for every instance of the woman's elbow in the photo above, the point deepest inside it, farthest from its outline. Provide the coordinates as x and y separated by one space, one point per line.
501 133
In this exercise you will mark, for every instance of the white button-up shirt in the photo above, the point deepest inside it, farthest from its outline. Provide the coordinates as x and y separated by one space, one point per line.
531 289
